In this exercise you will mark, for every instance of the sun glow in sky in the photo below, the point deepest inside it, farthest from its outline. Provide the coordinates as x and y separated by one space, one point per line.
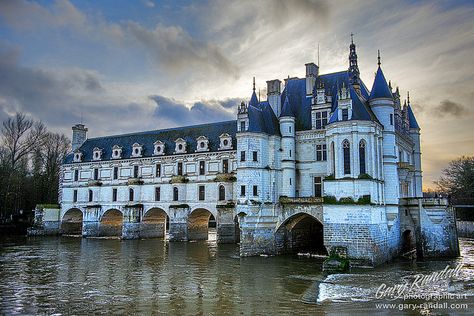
127 66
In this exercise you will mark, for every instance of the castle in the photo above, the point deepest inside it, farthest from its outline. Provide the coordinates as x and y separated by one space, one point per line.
324 163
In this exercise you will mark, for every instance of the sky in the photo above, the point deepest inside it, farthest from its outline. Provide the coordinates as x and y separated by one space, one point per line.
123 66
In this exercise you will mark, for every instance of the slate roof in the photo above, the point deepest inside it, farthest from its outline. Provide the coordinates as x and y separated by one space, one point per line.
189 133
380 88
262 119
411 119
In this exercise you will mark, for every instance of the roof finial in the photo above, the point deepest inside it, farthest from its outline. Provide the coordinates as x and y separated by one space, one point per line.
259 95
253 83
352 38
408 97
378 57
318 54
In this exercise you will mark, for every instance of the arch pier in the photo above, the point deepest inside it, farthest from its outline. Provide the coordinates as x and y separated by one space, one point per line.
153 224
71 222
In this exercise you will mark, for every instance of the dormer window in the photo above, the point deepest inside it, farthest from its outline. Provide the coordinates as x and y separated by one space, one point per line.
77 156
202 143
225 142
137 150
159 148
116 152
180 147
97 153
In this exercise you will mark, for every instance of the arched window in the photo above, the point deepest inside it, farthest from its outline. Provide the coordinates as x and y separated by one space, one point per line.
91 195
333 158
175 194
362 157
346 147
221 193
130 194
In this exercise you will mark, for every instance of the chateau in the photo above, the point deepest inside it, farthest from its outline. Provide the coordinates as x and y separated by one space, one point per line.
323 162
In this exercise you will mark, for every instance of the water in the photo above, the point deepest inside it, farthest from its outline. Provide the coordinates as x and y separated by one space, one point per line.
89 276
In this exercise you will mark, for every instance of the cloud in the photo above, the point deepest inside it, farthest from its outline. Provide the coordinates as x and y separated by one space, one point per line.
204 111
149 4
447 107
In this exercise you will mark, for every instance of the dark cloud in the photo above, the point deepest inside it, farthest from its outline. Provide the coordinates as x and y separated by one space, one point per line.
448 107
171 110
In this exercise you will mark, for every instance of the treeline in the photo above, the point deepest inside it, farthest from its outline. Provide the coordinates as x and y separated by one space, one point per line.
30 159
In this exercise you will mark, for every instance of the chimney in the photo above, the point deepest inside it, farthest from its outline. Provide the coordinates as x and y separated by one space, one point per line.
274 95
79 136
312 71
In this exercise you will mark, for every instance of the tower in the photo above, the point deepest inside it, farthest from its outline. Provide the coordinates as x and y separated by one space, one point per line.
414 130
288 165
354 72
382 104
79 135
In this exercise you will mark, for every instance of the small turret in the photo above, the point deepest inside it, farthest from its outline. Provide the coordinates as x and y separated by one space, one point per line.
288 165
79 136
354 73
253 98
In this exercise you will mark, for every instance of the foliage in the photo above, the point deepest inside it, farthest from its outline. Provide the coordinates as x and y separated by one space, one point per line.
49 206
365 199
346 200
330 177
329 199
365 176
457 179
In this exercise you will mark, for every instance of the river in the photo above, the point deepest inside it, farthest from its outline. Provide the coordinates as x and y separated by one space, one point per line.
67 275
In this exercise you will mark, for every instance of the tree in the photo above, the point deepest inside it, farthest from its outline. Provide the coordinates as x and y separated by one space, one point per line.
457 179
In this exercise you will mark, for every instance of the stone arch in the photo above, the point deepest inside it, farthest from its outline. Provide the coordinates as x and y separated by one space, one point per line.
198 224
71 222
407 241
153 224
300 232
111 223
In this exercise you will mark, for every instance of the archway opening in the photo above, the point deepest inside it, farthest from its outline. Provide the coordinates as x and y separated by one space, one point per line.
111 223
300 233
407 242
153 224
71 224
201 225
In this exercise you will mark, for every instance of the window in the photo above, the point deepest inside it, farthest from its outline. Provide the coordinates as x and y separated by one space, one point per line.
157 193
91 195
321 119
289 129
290 181
158 170
135 171
345 114
225 166
242 126
74 198
346 147
290 153
255 190
225 142
321 153
242 190
114 195
242 156
96 174
131 194
202 167
115 173
318 186
391 119
254 155
221 193
202 193
175 194
76 175
362 157
180 168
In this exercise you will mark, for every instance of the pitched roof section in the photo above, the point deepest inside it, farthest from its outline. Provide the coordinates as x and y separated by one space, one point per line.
380 88
262 119
411 119
253 99
286 109
189 133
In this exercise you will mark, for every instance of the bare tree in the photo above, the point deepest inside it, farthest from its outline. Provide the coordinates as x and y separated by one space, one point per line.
458 178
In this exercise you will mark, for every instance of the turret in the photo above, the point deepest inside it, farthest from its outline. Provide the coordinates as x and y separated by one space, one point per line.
414 130
287 130
79 136
274 95
354 72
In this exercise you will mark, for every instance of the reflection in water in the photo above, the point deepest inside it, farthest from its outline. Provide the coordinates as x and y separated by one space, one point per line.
75 275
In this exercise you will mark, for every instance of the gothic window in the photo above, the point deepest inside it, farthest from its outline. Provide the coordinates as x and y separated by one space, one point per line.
74 198
135 171
225 165
321 152
175 194
130 194
76 175
91 195
242 156
255 190
391 119
254 156
318 187
242 190
346 147
242 126
157 193
202 193
114 195
115 173
362 162
321 119
180 169
202 167
345 114
158 170
96 174
221 193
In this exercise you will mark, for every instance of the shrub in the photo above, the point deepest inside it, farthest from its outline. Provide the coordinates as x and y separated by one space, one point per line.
346 200
365 199
330 177
365 176
329 199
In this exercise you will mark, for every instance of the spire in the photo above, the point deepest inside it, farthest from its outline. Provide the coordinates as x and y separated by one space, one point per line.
380 88
353 67
408 98
286 109
254 84
253 98
378 57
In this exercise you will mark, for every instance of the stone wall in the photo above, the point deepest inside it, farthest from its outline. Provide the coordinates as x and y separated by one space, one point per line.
465 229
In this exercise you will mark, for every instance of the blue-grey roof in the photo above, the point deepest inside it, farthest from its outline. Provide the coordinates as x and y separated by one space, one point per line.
286 109
380 88
253 99
262 119
411 119
168 136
